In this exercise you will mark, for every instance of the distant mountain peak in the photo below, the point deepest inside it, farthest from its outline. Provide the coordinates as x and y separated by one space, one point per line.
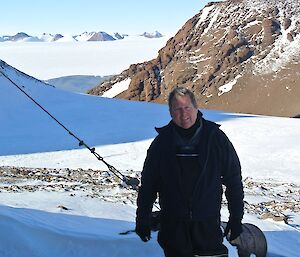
101 36
85 36
19 36
118 36
155 34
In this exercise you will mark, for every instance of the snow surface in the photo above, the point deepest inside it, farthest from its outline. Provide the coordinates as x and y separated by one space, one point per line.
204 14
66 38
121 131
213 20
228 86
85 36
46 60
283 51
117 88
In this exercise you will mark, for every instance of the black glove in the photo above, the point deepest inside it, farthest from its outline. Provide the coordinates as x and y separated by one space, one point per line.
155 221
233 228
143 230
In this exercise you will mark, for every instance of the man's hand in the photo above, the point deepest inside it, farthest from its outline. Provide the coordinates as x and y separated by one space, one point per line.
233 228
142 229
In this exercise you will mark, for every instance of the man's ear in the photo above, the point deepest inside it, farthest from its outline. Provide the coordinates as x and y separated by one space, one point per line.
170 111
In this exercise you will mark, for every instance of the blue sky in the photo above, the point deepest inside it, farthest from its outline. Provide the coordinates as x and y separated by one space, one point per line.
74 17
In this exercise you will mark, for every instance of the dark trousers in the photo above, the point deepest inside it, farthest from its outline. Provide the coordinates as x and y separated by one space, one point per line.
187 238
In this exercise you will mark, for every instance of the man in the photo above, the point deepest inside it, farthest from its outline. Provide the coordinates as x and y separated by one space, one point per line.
186 165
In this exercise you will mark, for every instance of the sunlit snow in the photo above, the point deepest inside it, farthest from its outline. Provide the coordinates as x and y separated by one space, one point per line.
32 223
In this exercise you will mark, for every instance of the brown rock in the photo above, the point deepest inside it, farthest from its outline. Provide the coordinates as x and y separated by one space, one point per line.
227 47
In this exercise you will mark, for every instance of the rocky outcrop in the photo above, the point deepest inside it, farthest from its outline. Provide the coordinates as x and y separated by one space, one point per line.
272 199
233 54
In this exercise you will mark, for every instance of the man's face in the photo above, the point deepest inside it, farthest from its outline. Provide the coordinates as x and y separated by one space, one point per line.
183 112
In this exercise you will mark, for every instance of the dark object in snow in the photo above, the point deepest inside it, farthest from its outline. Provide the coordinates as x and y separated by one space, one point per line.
131 182
63 207
251 241
155 223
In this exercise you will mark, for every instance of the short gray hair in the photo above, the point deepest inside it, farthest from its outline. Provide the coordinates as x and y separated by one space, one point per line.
182 91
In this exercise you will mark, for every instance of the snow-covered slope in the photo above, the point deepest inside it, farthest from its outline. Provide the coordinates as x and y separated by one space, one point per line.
35 222
102 121
90 117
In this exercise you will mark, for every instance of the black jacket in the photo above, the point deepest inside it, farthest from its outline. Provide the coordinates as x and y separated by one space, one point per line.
218 164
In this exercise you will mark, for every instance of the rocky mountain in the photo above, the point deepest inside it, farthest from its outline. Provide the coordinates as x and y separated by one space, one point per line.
85 36
118 36
21 36
94 36
156 34
236 55
46 37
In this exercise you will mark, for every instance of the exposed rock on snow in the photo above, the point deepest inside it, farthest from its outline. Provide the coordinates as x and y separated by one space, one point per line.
89 183
278 201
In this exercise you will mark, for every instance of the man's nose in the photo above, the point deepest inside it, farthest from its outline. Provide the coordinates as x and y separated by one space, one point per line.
183 111
183 114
